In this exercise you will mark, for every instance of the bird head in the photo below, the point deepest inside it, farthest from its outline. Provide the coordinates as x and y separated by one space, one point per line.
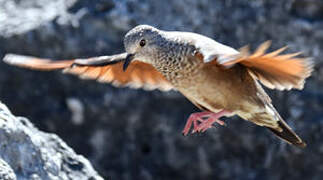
141 43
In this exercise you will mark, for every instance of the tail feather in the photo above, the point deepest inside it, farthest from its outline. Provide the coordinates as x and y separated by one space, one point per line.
36 63
287 134
271 119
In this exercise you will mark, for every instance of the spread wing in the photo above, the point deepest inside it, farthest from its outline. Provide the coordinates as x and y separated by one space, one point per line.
107 69
274 70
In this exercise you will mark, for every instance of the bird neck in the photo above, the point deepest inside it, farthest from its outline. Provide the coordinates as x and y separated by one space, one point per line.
176 64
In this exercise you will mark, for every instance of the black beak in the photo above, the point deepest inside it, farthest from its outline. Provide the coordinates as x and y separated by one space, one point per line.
129 58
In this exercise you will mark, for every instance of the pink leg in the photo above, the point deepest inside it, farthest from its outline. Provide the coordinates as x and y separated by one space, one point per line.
212 119
203 120
194 119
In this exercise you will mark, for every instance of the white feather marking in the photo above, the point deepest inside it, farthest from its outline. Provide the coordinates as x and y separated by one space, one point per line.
15 59
208 47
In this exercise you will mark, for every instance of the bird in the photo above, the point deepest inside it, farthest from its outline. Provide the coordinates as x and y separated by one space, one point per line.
220 80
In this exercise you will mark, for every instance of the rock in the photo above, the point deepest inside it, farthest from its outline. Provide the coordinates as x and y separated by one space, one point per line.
134 134
33 154
6 173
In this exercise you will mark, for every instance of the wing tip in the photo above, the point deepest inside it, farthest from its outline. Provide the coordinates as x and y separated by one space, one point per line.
308 64
14 59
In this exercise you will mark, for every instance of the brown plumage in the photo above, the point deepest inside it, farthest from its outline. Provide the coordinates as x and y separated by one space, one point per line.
216 78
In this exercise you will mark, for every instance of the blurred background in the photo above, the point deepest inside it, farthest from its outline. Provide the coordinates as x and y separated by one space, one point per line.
134 134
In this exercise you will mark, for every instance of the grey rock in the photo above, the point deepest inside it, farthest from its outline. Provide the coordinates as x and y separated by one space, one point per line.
6 173
133 134
33 154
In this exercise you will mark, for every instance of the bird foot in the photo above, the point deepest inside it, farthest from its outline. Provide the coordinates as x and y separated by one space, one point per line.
203 120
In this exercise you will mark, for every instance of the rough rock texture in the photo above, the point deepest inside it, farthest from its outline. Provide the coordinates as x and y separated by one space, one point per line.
6 173
133 134
34 155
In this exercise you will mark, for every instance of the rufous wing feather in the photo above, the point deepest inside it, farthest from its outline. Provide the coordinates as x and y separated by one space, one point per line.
274 70
36 63
138 74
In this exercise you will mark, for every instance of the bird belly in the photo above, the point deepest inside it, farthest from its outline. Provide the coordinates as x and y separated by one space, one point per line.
213 104
218 89
202 94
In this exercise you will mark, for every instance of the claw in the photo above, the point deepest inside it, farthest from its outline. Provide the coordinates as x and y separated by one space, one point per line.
202 121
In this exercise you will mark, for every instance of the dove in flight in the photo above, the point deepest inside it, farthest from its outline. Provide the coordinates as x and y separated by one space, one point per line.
218 79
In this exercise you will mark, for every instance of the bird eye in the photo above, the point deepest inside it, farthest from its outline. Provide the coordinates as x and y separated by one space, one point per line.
142 43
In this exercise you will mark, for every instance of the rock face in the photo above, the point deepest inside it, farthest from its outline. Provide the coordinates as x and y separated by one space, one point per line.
33 154
6 173
133 134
